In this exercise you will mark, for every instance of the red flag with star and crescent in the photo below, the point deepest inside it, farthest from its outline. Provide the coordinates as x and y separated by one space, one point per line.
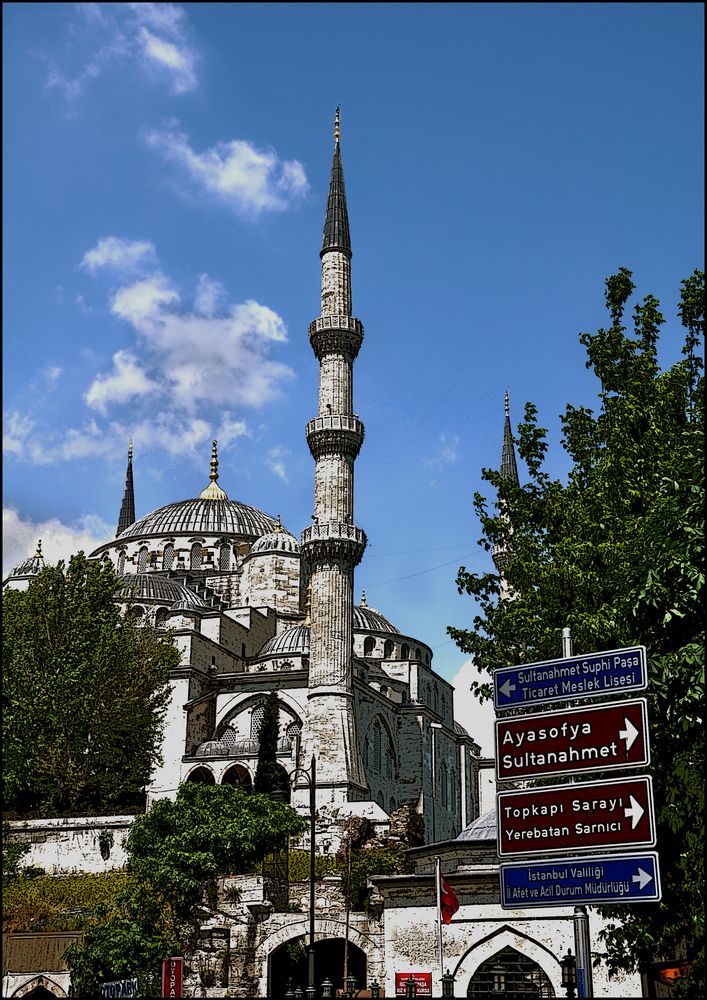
449 904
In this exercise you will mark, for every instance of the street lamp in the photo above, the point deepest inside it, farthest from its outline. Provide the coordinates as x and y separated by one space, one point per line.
375 989
448 984
350 986
310 778
569 973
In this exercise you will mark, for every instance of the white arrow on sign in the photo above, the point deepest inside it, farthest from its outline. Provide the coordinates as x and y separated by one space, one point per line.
507 687
629 734
635 811
642 878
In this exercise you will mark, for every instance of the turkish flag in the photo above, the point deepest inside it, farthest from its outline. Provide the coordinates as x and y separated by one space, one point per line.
448 901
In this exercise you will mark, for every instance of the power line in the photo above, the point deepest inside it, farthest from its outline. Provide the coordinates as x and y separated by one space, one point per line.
421 572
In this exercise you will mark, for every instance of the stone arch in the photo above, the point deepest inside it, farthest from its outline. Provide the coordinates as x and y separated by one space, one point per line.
506 936
324 927
239 776
201 774
43 987
240 702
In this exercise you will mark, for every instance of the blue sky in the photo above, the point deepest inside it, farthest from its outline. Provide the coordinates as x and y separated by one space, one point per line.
166 169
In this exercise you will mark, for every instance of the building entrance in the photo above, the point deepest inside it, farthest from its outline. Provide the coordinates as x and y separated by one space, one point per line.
290 963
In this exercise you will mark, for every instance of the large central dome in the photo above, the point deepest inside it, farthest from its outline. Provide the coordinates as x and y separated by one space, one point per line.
202 517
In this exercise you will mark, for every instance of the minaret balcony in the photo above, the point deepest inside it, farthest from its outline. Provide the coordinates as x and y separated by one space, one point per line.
333 541
336 335
335 434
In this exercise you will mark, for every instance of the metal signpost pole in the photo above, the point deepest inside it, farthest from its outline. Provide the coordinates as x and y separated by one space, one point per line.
582 944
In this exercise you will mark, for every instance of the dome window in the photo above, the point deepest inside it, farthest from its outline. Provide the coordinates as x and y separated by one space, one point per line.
224 558
404 651
369 644
121 563
167 557
142 560
387 649
195 556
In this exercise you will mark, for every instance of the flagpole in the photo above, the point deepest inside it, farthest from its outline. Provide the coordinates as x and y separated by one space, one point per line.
438 880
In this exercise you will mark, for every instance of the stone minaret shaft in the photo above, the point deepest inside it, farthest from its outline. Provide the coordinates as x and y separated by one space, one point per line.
333 545
127 508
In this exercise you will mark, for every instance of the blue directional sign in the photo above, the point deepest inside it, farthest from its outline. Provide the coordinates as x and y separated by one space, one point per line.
616 878
592 675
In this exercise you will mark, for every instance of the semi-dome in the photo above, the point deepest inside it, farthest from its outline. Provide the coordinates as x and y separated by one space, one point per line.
292 642
277 540
151 587
202 516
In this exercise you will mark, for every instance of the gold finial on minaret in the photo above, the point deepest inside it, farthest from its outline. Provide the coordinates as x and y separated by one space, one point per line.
308 607
130 449
213 491
337 130
507 406
363 599
38 553
278 525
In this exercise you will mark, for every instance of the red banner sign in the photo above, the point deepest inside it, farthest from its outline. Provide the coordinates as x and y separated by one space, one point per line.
577 817
172 977
423 981
573 741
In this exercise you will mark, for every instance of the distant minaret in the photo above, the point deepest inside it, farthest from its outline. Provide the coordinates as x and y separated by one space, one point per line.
127 508
333 545
508 470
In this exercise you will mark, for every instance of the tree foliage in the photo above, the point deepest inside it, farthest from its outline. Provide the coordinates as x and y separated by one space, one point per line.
267 774
84 690
617 554
175 852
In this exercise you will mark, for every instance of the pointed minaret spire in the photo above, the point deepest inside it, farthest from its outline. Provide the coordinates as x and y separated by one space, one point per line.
213 491
127 508
336 223
509 469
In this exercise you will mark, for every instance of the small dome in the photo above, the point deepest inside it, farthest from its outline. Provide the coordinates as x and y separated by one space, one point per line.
292 642
482 828
367 619
460 730
277 540
212 748
152 587
31 566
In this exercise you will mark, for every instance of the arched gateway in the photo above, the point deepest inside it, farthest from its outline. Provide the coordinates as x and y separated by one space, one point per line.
290 964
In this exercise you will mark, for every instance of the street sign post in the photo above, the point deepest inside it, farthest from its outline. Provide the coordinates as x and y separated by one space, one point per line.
580 817
573 741
618 878
592 675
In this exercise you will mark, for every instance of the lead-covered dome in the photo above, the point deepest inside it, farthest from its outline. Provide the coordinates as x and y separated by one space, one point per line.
277 540
31 566
150 587
292 642
367 619
482 828
201 516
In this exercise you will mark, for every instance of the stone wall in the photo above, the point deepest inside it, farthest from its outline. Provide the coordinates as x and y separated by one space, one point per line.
78 844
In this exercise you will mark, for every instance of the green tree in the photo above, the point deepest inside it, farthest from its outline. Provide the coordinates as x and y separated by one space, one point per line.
175 852
267 774
617 554
84 690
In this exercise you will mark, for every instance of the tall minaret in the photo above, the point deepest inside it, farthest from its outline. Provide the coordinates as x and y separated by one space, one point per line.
508 470
127 508
333 545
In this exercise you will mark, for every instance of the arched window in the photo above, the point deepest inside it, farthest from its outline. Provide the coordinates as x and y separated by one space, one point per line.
436 699
404 651
388 759
142 560
195 556
417 653
121 562
509 974
224 558
376 747
443 785
388 649
369 644
168 556
161 617
454 796
137 613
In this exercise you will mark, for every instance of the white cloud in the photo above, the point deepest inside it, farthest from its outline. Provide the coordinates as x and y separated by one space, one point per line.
16 433
165 433
127 381
229 431
120 255
53 373
249 179
209 295
275 461
142 303
155 36
59 540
